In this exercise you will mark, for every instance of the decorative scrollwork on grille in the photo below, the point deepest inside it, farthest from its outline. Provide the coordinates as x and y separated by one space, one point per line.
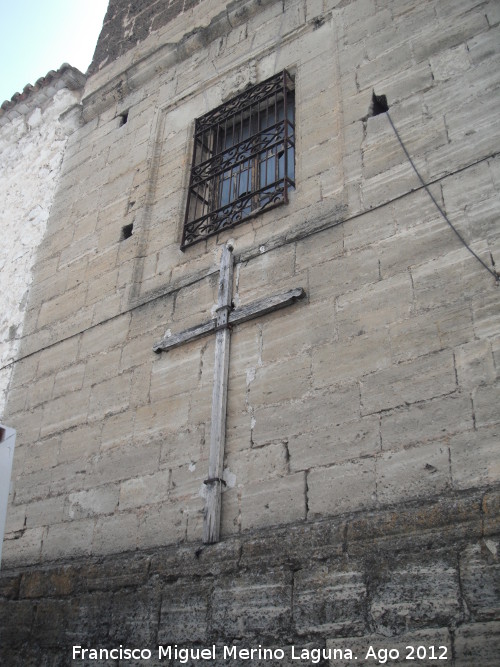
250 97
244 151
232 214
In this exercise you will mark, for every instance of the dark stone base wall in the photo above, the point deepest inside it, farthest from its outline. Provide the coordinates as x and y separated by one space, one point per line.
425 574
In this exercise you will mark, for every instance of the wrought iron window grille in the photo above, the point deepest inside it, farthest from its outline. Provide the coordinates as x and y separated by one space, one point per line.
243 159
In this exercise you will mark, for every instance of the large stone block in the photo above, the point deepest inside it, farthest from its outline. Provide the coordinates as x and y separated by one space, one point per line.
345 487
110 397
250 605
435 419
68 539
412 595
184 613
318 410
413 472
480 577
478 643
281 381
335 443
349 360
330 599
423 378
390 300
115 533
265 503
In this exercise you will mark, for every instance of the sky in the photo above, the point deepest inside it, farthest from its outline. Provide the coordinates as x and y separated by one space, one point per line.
39 35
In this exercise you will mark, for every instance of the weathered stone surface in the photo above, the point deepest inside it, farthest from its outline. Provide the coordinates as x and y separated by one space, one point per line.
362 424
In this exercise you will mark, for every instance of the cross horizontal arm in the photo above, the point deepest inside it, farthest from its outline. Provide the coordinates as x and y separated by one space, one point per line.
169 342
237 316
266 305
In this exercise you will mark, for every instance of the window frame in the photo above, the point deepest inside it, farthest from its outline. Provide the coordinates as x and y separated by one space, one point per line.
223 156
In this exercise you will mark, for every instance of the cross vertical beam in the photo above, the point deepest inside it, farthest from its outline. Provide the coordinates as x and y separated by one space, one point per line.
226 317
211 524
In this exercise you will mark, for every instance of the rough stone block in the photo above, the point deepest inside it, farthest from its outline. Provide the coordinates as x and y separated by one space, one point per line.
336 362
390 301
336 443
145 490
92 502
330 599
183 448
343 274
64 412
473 459
16 515
67 539
134 617
52 359
61 307
102 367
271 268
39 392
176 372
162 525
430 420
153 421
480 577
486 401
341 488
413 472
104 337
184 613
109 397
123 462
281 381
194 303
68 380
16 619
43 455
448 281
24 549
262 463
117 430
418 380
79 443
45 512
409 595
264 504
115 533
477 643
249 606
319 410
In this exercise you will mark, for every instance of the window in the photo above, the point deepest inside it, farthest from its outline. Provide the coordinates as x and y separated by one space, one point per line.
243 159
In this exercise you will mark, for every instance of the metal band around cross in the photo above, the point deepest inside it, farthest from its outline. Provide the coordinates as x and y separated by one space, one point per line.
226 317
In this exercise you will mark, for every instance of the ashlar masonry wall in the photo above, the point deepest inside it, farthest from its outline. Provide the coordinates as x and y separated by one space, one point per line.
362 422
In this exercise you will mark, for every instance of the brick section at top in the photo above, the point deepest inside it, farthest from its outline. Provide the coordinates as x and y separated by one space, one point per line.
129 22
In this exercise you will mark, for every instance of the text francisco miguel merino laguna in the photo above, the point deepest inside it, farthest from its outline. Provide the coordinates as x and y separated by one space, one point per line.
183 654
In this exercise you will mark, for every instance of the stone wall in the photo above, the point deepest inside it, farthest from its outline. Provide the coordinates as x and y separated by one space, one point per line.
375 399
419 575
33 133
126 24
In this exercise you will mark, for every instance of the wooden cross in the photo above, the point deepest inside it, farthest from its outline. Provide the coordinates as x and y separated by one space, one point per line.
227 316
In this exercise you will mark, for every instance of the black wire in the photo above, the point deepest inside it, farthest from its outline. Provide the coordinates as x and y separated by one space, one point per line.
492 271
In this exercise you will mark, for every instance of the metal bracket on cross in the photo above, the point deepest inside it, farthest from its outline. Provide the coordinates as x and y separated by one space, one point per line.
221 325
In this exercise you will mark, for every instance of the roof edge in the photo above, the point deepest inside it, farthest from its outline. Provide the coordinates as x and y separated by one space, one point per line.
44 88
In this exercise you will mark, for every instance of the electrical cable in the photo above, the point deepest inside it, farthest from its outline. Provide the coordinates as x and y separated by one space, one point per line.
494 273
